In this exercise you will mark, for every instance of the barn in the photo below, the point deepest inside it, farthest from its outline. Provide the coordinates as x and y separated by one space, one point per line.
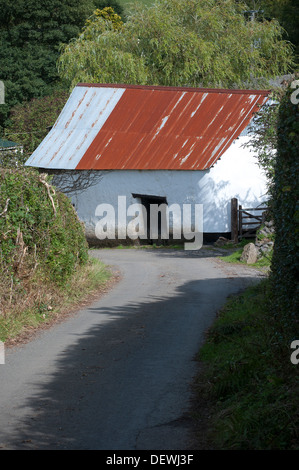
119 150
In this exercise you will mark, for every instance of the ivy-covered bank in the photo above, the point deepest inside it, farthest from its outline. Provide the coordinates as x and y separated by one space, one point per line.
43 252
285 208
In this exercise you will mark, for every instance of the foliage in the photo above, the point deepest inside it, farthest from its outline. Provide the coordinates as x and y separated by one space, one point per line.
263 135
30 35
116 5
276 142
30 123
38 228
95 56
129 4
101 20
250 384
253 383
285 202
285 11
186 43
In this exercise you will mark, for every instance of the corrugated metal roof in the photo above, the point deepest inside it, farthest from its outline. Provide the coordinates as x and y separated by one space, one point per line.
146 128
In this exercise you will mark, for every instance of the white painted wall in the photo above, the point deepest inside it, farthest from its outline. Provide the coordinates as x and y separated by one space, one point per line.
236 174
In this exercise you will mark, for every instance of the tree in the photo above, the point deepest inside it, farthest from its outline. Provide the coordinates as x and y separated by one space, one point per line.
30 122
285 11
180 42
117 7
100 20
30 35
263 135
99 54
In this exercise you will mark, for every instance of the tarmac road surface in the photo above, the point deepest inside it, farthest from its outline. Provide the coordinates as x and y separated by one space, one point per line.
117 375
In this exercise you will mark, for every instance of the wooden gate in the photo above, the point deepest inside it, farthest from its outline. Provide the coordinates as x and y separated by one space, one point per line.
245 221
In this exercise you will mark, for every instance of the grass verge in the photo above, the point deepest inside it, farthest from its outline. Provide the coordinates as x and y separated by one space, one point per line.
248 380
235 256
41 303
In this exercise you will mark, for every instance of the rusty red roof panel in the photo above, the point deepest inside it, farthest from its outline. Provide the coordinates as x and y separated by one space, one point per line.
147 128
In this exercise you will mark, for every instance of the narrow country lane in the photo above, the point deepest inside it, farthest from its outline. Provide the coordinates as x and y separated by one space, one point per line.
117 374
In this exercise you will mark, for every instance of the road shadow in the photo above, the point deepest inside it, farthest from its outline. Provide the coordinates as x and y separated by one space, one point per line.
124 382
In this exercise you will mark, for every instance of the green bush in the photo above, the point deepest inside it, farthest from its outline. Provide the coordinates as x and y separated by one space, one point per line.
38 228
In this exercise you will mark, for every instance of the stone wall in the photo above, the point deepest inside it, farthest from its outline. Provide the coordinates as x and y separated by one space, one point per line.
263 245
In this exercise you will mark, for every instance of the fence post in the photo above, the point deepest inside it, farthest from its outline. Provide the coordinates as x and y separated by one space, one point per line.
234 220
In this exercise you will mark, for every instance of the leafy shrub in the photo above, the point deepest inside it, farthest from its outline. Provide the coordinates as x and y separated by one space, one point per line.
39 229
285 203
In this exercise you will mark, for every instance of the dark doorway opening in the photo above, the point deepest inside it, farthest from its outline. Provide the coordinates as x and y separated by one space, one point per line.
147 201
